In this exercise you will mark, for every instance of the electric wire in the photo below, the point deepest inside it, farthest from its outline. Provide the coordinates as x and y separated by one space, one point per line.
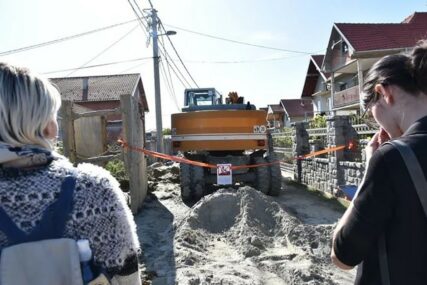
104 50
185 85
140 19
98 65
43 44
169 73
165 54
169 78
237 42
171 94
151 4
177 54
142 16
102 79
244 61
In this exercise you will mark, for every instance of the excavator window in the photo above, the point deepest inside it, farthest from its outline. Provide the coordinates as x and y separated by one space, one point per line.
201 98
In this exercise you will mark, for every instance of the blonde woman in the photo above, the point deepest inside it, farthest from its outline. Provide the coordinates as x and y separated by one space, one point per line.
31 175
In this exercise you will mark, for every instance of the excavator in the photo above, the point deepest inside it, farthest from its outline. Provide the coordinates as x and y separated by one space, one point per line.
209 131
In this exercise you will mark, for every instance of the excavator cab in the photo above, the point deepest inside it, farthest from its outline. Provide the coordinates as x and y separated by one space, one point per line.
202 97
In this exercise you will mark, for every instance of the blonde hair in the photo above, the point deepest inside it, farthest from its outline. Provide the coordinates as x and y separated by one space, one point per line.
28 103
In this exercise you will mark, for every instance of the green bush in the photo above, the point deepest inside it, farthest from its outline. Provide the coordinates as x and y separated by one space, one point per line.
283 141
117 169
318 121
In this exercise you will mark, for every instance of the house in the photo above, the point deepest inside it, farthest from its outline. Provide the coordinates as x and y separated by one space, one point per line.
275 116
315 86
296 110
101 93
354 48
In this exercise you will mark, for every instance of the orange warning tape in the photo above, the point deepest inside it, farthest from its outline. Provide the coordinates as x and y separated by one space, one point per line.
331 149
207 165
165 156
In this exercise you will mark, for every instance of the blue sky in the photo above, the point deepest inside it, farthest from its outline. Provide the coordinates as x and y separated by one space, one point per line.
262 76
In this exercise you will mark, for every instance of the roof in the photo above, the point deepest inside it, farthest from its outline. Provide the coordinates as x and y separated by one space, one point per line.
318 59
297 107
277 108
312 76
369 37
80 109
99 88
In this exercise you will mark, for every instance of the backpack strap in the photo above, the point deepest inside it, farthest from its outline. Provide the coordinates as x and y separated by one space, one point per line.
415 171
418 178
53 220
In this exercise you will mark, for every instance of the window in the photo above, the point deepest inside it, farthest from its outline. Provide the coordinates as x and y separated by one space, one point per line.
344 47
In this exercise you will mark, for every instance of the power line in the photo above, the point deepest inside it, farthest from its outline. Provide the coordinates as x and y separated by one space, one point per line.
244 61
151 4
22 49
140 18
168 77
171 91
104 78
176 74
237 42
99 65
165 54
176 52
104 50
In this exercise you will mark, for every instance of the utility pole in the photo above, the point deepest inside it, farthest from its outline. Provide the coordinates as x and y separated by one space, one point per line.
159 127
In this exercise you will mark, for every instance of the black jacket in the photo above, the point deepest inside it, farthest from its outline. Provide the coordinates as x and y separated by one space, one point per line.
387 202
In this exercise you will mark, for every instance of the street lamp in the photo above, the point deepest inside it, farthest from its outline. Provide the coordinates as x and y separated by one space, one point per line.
168 33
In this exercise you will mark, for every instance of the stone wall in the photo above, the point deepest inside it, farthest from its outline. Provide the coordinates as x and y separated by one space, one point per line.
315 173
340 167
352 172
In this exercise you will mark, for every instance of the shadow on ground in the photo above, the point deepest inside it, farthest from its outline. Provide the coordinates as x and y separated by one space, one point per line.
156 233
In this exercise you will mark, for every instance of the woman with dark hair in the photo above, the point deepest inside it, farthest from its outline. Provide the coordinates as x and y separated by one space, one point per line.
384 230
31 175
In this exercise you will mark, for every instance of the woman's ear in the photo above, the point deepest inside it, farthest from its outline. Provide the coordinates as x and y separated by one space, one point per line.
51 130
386 92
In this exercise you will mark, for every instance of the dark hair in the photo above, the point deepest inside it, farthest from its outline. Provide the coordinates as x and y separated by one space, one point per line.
409 72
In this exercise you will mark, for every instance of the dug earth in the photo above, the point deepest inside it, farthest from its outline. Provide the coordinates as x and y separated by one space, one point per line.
236 236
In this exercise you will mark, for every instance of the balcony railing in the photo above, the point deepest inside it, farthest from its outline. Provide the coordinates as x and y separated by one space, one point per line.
346 97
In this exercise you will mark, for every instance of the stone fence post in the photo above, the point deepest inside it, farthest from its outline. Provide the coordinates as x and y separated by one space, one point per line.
340 132
300 146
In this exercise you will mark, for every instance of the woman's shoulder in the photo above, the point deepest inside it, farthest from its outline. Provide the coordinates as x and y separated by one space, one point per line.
90 179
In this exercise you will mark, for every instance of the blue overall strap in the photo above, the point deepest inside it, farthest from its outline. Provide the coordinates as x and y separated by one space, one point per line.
10 229
53 221
52 224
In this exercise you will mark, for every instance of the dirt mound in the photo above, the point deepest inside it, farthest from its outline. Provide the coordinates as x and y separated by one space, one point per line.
229 236
235 236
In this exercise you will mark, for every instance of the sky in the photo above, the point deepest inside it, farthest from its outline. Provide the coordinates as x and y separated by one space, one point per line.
262 75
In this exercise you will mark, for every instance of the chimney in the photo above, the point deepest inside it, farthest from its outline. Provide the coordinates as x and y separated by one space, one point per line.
85 88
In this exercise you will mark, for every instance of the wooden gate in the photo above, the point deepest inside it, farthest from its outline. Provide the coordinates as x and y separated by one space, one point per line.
132 131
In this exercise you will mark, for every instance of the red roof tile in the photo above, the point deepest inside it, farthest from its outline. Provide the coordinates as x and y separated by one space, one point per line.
318 59
366 37
297 107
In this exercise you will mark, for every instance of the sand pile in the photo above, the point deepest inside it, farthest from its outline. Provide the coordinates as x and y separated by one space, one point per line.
244 237
235 236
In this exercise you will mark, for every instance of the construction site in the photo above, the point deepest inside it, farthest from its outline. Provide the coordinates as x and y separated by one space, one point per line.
237 235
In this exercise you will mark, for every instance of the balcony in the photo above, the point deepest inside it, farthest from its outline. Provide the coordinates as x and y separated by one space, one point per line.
346 97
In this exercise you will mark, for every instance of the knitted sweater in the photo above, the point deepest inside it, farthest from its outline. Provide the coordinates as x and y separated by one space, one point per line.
99 214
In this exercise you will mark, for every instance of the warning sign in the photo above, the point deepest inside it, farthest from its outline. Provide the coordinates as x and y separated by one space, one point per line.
224 174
